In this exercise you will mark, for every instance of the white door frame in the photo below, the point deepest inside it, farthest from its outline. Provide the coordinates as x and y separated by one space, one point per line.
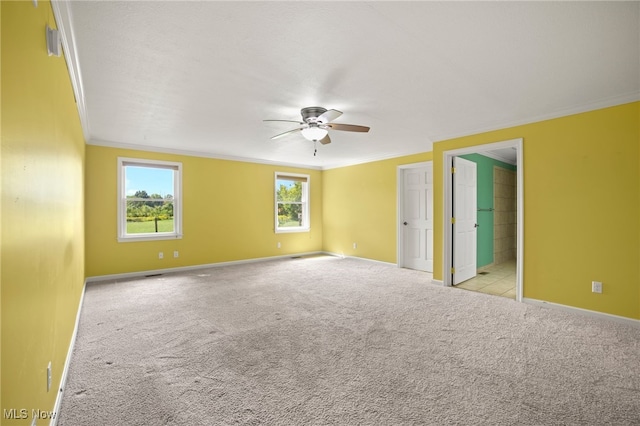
400 207
447 234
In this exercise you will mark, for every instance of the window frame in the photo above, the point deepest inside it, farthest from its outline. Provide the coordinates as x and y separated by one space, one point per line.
123 162
306 203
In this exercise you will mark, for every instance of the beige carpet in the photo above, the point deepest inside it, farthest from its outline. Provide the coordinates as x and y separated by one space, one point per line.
331 341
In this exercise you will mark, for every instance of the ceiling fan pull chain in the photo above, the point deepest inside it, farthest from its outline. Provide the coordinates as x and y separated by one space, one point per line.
315 147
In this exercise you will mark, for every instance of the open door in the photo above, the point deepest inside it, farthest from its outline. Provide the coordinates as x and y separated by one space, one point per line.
464 223
448 213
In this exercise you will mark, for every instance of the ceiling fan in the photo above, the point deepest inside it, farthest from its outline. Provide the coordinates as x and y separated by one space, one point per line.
316 123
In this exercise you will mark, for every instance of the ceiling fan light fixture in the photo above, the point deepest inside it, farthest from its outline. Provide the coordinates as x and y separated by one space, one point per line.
314 133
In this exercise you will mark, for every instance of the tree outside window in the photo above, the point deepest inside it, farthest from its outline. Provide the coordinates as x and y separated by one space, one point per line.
149 194
292 202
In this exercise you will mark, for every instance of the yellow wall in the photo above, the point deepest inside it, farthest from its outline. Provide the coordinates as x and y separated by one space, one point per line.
581 207
360 206
582 210
42 210
228 214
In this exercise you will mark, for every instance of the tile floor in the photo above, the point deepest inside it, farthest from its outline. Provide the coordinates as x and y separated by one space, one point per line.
499 280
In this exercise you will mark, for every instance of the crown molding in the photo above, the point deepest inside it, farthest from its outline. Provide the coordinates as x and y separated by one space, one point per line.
187 153
63 18
608 102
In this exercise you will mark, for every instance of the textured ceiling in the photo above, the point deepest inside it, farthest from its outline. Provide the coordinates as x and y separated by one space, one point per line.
200 77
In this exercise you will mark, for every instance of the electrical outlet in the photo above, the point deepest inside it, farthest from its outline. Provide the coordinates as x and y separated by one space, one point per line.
355 246
176 254
596 286
49 376
279 245
160 255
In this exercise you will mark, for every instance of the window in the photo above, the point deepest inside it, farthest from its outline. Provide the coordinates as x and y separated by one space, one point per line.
149 200
292 202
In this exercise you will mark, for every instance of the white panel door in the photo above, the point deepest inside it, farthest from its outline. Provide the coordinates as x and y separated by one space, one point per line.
417 211
464 224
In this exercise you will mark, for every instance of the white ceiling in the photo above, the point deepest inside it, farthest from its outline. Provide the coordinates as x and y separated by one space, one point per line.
200 77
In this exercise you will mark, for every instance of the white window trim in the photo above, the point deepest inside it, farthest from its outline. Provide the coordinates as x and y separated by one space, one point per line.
307 211
122 204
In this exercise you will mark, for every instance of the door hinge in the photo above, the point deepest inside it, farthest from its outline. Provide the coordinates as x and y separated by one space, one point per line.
453 270
453 170
453 220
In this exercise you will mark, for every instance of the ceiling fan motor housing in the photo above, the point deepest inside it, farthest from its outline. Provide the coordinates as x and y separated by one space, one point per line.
309 114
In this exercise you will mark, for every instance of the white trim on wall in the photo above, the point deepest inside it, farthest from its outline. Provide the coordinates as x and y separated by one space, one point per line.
197 154
62 15
126 275
67 363
572 309
447 211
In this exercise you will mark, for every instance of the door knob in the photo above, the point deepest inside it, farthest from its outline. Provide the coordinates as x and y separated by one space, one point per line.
475 225
405 223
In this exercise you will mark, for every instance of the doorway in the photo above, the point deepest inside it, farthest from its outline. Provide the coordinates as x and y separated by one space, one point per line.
510 146
496 279
415 216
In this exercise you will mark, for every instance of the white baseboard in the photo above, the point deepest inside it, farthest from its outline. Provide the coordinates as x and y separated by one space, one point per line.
376 261
67 363
437 282
359 258
126 275
595 314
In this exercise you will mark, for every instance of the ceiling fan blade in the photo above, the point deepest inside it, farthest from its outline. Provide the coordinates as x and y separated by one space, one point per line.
287 121
326 140
348 127
328 115
287 133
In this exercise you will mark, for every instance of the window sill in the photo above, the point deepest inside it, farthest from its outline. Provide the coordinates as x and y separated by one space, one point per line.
292 230
148 237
